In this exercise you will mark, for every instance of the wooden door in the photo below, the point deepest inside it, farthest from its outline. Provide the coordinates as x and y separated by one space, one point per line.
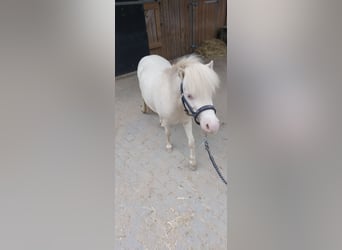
152 19
206 15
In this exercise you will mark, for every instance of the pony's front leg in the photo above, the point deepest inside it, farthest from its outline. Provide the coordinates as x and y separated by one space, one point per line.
167 133
191 142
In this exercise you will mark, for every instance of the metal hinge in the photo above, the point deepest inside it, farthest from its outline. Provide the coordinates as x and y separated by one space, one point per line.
194 3
211 1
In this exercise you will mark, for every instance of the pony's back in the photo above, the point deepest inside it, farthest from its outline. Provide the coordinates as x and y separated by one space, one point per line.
150 66
150 71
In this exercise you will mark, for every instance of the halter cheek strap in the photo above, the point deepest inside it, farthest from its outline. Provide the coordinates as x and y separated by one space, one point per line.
189 110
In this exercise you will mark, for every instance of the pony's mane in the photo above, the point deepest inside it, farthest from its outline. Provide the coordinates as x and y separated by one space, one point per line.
198 77
186 61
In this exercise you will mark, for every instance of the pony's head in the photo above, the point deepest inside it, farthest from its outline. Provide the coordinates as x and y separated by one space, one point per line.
199 84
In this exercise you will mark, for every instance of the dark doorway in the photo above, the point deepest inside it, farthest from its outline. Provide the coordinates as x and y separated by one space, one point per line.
131 42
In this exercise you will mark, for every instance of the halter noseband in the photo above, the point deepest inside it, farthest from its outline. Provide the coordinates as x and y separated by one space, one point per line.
189 110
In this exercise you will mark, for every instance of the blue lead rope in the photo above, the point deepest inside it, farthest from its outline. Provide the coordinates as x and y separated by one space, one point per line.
206 144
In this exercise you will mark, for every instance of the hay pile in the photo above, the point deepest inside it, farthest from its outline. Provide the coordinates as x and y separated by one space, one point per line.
212 48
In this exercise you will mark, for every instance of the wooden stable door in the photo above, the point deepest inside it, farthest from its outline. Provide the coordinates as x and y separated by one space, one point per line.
152 19
176 27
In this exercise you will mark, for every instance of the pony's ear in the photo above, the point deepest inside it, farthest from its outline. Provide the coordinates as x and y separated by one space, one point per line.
211 64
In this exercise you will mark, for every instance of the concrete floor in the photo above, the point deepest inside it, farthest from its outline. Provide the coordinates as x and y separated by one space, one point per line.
159 202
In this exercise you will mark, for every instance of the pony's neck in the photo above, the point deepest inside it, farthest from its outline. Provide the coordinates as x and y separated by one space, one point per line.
174 82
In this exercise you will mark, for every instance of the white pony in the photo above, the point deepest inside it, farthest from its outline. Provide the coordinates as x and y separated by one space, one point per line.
177 92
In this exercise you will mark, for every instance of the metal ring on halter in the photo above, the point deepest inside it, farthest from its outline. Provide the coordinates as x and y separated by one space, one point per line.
189 110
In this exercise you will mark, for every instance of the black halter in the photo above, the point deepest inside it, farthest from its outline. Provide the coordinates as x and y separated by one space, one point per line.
189 110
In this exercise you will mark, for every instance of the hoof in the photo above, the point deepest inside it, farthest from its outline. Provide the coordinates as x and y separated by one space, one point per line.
144 109
192 165
168 147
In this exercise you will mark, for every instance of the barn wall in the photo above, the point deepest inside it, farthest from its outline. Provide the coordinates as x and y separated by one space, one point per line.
175 22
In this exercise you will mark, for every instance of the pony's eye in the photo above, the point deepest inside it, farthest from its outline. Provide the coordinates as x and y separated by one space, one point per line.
190 96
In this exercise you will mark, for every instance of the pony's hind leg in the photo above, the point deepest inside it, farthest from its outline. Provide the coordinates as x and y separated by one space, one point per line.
145 109
191 142
167 133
